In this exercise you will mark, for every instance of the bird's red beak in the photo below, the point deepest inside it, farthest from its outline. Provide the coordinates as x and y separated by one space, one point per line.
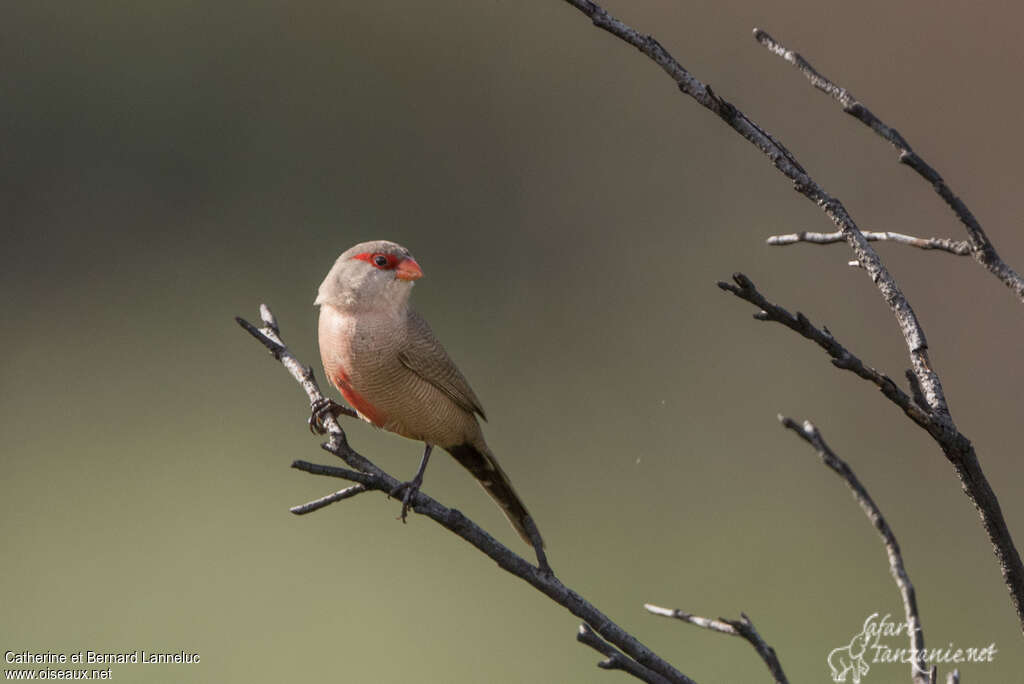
408 269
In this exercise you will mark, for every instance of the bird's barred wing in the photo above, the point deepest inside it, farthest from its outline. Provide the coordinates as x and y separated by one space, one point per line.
425 357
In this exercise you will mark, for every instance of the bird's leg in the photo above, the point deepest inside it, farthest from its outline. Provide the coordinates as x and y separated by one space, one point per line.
319 411
538 546
542 561
409 489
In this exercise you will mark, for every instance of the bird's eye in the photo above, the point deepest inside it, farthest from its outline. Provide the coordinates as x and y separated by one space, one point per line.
380 260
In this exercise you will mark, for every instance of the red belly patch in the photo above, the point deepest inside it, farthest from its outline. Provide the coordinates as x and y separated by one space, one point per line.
358 402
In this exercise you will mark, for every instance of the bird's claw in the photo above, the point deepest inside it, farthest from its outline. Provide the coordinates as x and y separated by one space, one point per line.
406 491
319 410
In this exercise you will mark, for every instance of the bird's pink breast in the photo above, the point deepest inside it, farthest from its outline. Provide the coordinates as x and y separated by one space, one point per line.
337 338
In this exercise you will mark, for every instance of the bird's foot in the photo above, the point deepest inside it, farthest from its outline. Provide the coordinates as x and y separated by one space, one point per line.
319 411
406 491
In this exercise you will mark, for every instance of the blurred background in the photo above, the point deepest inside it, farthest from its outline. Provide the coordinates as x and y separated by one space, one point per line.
169 165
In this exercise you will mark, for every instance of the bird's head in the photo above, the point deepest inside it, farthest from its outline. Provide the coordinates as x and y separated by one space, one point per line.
371 275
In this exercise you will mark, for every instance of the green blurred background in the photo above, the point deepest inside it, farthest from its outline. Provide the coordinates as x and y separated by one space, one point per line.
169 165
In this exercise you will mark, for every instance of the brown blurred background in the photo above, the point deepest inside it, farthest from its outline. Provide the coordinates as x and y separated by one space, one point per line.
169 165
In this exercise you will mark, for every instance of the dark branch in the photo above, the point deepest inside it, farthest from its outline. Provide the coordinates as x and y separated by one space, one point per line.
958 247
786 163
810 434
366 474
745 289
741 628
981 247
317 504
915 389
955 446
270 337
616 660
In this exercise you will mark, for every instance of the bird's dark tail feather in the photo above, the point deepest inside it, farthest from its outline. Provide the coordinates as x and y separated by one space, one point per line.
482 464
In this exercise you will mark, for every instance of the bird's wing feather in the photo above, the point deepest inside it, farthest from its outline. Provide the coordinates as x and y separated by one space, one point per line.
424 356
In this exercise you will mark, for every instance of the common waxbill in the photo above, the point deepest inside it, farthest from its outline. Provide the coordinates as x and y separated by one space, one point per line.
386 362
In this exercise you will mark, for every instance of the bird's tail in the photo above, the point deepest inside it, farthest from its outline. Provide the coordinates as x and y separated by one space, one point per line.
481 463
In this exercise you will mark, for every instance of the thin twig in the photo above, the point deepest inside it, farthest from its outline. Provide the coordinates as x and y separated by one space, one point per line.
955 447
363 472
786 163
712 624
317 504
745 289
616 660
270 337
741 628
810 434
958 247
981 247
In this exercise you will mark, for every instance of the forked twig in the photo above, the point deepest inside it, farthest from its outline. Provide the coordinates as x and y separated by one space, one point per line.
615 659
371 478
810 434
954 445
842 357
742 628
980 247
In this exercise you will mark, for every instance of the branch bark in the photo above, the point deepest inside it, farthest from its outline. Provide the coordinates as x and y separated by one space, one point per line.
927 406
981 248
786 163
957 247
810 434
371 478
615 659
742 628
317 504
745 289
955 446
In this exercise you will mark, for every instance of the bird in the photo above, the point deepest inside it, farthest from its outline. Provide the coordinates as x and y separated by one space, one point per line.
384 359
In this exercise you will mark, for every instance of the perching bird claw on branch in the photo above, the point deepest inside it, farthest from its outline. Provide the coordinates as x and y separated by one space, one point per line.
319 411
407 490
385 360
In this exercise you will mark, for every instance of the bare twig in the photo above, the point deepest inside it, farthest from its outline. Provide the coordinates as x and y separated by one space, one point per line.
810 434
615 659
745 289
719 625
741 628
317 504
981 247
365 473
786 163
958 247
270 337
954 445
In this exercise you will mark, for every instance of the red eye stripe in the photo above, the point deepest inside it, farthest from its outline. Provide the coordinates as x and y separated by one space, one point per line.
389 260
